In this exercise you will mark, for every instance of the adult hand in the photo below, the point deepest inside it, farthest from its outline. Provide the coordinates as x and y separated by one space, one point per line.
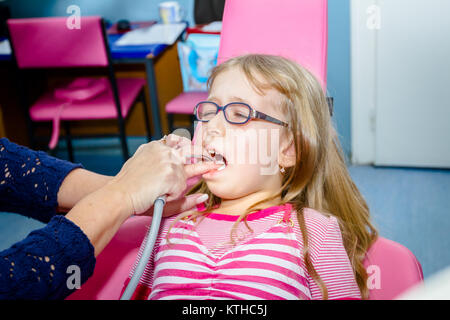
80 182
157 168
180 205
185 149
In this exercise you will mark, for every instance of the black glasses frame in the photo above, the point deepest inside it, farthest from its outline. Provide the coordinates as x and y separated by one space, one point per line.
253 114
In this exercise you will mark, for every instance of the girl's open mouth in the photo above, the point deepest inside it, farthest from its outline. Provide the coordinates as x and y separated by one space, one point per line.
217 158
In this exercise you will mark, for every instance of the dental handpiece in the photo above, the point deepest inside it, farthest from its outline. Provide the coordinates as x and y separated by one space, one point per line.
152 234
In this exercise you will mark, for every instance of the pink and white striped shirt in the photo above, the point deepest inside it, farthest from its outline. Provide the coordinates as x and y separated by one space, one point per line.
198 261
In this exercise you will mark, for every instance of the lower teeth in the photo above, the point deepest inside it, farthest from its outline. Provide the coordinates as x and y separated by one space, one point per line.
222 167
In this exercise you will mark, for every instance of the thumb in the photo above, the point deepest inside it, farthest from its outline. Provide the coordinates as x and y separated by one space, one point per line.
184 204
197 169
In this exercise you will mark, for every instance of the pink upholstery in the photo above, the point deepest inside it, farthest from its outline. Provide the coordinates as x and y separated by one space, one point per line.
392 269
295 29
48 42
397 267
115 262
81 89
99 107
185 102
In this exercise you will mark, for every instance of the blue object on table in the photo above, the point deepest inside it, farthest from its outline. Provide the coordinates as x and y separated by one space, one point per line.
198 56
133 52
119 52
4 57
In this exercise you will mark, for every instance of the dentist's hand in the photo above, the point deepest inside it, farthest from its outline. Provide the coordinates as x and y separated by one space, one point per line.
158 168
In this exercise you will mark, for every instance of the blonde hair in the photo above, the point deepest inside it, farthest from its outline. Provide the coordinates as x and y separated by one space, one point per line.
319 179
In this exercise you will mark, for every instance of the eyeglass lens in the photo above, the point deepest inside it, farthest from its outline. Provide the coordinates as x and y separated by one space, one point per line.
234 112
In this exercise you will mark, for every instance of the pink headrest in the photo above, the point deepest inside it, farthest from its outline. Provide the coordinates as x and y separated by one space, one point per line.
295 29
81 89
48 42
392 269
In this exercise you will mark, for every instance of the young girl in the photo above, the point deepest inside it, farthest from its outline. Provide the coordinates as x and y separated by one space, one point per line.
298 233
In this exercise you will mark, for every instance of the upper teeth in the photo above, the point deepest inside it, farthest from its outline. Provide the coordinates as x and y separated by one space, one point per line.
219 159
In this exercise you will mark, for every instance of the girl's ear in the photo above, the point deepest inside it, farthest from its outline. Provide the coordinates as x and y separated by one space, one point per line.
287 156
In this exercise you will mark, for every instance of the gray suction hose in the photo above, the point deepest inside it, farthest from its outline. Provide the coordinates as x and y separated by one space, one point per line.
152 234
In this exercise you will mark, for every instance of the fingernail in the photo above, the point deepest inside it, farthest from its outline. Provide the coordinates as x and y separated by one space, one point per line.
202 199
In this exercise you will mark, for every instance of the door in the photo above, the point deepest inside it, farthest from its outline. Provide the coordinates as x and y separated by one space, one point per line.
401 83
413 84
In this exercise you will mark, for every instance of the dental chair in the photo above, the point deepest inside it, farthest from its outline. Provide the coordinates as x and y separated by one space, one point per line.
250 27
392 268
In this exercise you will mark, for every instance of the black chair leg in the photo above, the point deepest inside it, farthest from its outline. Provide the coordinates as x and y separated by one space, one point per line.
69 141
123 139
170 120
30 132
147 123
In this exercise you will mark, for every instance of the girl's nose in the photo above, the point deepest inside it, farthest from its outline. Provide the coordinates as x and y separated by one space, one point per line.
216 126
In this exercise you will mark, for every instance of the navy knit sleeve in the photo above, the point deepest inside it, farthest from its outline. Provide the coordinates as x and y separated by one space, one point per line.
48 264
40 266
30 180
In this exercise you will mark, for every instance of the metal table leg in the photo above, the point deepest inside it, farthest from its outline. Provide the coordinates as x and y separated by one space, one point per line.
154 104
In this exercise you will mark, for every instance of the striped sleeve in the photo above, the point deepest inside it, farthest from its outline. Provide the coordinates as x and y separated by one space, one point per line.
330 259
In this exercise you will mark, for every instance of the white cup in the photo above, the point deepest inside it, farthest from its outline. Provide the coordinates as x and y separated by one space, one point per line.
170 12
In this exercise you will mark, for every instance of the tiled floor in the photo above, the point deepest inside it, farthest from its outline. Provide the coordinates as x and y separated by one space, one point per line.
410 206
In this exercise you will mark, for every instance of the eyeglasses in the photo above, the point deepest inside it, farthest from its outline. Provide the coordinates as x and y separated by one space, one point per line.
235 113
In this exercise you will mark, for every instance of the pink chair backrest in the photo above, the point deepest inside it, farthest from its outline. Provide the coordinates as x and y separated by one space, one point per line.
115 262
49 43
392 269
294 29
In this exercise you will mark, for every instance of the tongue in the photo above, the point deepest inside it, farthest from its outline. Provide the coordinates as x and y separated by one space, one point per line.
220 158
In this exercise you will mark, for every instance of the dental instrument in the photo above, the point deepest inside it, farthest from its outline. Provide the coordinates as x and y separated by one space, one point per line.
158 208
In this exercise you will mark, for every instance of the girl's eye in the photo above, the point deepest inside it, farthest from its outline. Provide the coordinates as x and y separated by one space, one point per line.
208 114
239 115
